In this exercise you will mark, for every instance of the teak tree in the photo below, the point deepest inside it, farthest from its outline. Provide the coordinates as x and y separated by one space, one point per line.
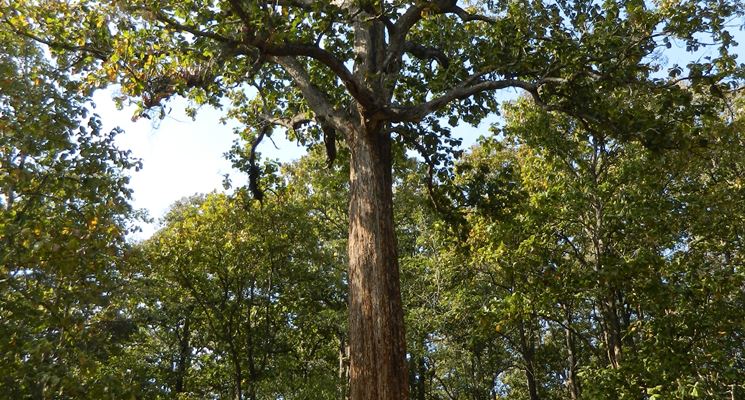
378 73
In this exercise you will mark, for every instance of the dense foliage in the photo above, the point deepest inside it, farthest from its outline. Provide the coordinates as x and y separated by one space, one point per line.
590 247
64 213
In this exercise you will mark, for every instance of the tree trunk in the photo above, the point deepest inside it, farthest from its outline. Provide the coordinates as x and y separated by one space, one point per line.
184 358
418 372
613 331
528 353
572 362
343 368
420 387
376 339
237 372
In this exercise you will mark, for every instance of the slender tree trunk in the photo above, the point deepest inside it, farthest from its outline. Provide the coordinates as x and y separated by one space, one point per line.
377 342
613 331
184 360
237 373
418 372
572 378
420 386
528 353
343 368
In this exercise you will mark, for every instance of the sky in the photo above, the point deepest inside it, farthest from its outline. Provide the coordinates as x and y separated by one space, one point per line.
180 156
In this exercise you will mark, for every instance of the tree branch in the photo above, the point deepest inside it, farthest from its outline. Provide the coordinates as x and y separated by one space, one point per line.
427 53
315 97
160 16
287 123
254 172
416 113
355 89
400 30
465 16
397 34
240 12
302 4
98 53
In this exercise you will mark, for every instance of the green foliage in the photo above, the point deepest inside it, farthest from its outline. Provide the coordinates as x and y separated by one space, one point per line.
240 299
605 63
63 215
592 248
591 253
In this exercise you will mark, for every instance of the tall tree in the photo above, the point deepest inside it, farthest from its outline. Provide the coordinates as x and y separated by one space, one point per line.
369 72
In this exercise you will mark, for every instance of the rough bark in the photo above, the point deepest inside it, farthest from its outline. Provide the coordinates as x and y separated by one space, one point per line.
377 342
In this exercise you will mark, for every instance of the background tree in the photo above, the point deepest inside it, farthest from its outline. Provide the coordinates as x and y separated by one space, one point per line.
591 254
364 70
64 213
238 299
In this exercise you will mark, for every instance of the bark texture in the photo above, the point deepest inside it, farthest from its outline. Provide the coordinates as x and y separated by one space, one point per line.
377 341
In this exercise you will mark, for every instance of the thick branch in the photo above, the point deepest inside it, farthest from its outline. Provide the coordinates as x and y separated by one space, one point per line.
355 89
400 30
427 53
397 33
315 97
